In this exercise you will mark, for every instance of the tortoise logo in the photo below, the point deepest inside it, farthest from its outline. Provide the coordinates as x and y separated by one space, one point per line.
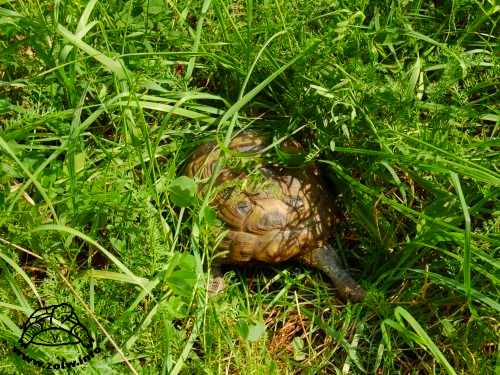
54 326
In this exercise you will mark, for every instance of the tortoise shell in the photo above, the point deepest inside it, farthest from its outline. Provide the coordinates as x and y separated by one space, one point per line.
286 214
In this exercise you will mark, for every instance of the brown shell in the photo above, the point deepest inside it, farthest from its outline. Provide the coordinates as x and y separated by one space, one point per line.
290 215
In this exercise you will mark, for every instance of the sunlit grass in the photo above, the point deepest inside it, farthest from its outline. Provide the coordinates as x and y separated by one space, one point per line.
101 103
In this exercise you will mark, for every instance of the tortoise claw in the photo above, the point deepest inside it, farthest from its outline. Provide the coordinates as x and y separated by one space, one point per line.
327 260
216 283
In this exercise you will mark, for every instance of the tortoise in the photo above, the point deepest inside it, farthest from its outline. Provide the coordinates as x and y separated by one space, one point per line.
288 214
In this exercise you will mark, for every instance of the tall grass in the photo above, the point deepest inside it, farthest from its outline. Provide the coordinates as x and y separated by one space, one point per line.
101 103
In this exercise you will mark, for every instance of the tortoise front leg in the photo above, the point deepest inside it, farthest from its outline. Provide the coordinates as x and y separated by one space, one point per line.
327 260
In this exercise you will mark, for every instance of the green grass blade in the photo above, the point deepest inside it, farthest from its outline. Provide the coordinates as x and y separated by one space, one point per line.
467 235
116 276
84 19
23 274
42 191
196 44
453 284
423 338
113 66
236 107
74 232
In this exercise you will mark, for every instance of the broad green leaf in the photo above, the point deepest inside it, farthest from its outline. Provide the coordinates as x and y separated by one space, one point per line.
298 349
182 191
251 331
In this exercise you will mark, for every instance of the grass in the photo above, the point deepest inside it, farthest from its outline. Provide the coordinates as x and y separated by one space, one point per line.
101 103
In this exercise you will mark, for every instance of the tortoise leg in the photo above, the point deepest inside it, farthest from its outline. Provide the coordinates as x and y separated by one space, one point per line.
327 260
216 282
